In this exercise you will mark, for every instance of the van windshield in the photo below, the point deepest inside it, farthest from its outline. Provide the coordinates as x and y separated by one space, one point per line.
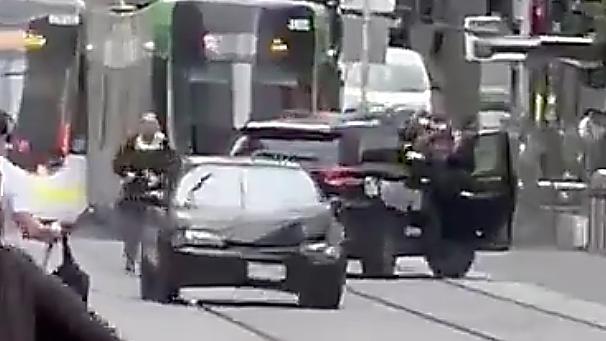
388 77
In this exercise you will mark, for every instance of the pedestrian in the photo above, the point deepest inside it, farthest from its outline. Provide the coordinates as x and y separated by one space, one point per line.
35 306
145 160
447 161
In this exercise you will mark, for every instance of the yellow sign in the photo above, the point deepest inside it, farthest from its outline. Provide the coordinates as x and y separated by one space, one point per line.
47 192
34 41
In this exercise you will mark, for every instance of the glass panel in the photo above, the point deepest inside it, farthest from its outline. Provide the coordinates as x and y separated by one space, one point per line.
240 47
221 189
45 88
489 157
226 186
294 190
388 78
322 152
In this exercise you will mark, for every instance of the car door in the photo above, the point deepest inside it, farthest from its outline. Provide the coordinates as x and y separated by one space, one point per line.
488 199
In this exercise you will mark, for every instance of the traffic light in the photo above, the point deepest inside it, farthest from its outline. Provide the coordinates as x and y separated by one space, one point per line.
539 18
487 40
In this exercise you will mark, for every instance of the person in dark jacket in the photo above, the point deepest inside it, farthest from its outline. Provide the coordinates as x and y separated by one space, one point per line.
447 161
35 306
145 162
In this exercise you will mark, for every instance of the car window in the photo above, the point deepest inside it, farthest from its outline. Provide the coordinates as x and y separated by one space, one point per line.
271 189
388 77
303 150
220 189
249 188
488 155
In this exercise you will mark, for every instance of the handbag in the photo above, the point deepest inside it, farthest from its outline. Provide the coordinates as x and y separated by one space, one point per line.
70 272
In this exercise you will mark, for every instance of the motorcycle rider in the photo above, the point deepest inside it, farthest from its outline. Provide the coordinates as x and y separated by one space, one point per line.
146 160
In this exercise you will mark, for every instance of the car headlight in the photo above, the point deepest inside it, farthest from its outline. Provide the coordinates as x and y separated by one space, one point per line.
372 187
323 248
198 238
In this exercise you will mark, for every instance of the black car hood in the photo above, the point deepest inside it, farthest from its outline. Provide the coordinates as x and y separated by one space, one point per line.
277 228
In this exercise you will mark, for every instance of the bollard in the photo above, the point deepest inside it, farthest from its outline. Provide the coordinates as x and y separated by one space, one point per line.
597 212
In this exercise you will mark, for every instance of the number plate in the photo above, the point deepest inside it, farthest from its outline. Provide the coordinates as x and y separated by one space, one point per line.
266 271
64 20
397 195
412 232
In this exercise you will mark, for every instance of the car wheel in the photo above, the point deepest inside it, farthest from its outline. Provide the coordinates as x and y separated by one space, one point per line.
382 259
450 259
155 284
322 286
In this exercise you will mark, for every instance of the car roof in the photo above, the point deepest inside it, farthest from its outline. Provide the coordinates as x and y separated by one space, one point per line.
323 122
240 161
259 3
397 55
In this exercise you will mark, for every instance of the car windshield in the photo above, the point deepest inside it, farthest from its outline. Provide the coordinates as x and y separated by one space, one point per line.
388 77
249 188
299 149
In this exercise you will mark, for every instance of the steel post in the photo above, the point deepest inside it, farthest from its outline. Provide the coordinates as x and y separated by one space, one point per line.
597 212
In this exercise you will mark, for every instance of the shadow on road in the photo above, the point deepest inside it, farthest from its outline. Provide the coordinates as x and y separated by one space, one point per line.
247 303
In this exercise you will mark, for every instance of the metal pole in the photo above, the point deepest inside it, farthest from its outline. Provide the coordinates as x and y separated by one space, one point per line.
365 52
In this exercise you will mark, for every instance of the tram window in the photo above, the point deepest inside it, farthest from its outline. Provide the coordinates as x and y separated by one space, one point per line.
285 60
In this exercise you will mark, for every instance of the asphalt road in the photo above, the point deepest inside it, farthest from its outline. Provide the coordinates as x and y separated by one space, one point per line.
520 295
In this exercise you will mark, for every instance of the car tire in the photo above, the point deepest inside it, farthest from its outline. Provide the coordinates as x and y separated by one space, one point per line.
382 258
381 265
450 259
155 284
322 286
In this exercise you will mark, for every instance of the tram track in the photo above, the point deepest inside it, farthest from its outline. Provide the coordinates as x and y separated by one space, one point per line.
423 315
481 335
525 305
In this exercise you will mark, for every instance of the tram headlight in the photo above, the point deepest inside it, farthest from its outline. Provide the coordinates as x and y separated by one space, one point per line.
278 46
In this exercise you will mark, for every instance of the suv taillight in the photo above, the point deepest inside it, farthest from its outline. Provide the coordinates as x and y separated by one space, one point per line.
339 177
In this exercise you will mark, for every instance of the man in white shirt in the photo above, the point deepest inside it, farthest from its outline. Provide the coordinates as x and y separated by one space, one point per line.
15 202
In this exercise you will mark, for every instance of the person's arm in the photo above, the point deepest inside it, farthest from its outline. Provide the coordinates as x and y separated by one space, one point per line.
60 313
463 155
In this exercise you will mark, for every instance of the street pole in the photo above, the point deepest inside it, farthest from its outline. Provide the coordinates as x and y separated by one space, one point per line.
365 54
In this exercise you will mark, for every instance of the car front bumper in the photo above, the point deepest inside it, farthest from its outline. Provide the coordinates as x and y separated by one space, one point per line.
199 266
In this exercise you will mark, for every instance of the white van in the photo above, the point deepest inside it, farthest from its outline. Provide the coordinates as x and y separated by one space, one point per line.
401 80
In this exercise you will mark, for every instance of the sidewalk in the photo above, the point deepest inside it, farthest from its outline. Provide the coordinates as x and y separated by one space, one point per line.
575 273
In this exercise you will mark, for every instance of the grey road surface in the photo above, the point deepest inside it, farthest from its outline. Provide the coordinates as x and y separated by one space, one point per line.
520 295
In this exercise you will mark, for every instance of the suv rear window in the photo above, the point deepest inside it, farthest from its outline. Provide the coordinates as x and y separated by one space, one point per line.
316 151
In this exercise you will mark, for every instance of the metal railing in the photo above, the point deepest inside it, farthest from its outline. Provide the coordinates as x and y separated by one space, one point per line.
595 207
597 212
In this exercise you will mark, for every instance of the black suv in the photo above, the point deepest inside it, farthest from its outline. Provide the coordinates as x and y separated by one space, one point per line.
355 158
